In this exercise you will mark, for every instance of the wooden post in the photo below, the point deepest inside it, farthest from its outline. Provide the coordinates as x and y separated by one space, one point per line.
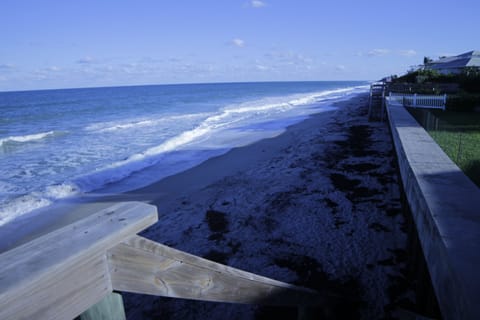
110 308
383 105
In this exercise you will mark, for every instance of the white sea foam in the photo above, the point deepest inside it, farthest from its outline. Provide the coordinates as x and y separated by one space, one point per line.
19 205
122 169
128 126
226 118
112 126
289 102
60 191
26 138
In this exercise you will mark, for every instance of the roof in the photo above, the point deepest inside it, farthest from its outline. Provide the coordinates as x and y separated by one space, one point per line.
467 59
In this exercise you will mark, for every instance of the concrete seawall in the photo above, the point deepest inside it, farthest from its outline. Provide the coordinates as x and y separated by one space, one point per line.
445 208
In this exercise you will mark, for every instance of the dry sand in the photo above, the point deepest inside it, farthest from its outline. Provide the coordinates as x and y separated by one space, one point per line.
318 206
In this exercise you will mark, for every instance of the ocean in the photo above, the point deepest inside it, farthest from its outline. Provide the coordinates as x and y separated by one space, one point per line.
57 144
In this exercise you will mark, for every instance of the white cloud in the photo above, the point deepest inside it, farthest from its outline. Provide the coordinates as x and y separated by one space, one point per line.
408 53
257 4
378 52
340 67
262 67
238 43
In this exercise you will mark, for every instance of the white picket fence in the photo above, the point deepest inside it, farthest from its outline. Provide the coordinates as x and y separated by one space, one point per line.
418 100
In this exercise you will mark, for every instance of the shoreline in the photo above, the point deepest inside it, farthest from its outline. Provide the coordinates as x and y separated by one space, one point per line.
317 206
69 210
213 169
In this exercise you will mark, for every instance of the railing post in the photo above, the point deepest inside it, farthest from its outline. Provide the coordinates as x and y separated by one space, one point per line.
110 308
414 100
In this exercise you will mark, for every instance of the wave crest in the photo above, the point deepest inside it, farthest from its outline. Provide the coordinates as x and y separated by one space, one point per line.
26 138
113 126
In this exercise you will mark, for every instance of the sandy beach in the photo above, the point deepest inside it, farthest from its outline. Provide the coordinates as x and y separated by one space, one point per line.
317 206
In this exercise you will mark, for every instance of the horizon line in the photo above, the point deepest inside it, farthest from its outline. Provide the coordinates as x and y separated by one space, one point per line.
176 84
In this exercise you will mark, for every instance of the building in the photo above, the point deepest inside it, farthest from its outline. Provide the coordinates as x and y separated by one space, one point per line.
455 64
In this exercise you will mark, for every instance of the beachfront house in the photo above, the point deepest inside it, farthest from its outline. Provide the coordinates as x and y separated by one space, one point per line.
454 64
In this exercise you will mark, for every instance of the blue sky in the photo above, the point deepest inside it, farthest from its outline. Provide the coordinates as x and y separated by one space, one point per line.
89 43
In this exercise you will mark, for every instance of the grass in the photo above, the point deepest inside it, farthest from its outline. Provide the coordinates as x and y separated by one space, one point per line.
458 134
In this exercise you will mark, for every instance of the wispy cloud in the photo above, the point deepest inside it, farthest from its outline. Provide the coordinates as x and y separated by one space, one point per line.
280 62
378 52
257 4
383 52
6 66
262 67
238 43
288 58
53 69
340 67
408 53
86 60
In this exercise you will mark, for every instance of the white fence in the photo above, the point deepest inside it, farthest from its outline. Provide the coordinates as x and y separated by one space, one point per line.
418 100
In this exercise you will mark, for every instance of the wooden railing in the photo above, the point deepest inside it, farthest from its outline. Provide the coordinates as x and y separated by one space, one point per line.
64 273
419 100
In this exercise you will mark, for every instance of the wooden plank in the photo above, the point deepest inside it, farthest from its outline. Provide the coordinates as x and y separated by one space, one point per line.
63 273
143 266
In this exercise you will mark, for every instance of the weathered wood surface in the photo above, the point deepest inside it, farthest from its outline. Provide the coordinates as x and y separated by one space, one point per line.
143 266
63 273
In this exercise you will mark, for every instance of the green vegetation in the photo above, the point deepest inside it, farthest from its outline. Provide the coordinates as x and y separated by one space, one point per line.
462 148
466 86
458 134
463 102
468 79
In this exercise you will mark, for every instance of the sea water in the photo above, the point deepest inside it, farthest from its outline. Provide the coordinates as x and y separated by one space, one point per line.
56 144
